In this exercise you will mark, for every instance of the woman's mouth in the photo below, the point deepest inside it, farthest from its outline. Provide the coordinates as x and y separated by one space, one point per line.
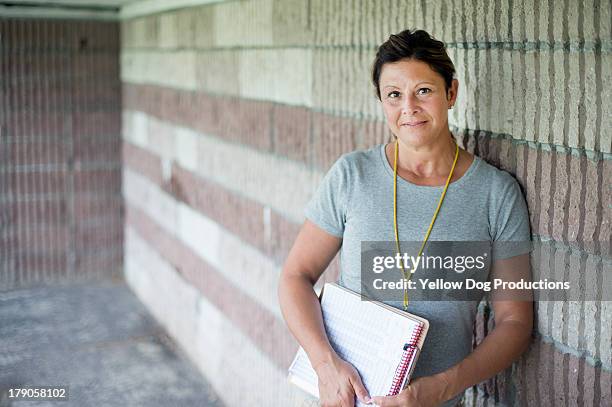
415 124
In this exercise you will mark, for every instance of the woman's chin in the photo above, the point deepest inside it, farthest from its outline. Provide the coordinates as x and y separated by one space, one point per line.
415 139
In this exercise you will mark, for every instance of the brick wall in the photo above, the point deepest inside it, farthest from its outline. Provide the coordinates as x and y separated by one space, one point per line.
233 112
60 146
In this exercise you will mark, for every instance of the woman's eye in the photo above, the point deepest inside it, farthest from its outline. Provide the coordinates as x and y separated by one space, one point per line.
393 95
424 89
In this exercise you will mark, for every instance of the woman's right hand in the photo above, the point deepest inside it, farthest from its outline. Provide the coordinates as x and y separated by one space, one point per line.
339 382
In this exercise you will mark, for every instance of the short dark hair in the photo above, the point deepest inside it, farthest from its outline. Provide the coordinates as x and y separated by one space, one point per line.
418 45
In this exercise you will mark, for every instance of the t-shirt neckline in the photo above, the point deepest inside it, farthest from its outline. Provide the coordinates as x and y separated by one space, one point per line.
471 169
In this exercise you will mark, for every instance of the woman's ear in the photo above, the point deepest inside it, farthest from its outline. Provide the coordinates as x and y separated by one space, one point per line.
452 92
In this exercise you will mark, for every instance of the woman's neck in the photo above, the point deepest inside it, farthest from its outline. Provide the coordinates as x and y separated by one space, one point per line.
427 162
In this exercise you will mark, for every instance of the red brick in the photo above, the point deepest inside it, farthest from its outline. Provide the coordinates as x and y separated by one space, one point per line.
95 35
34 212
97 180
508 153
246 121
332 137
102 122
168 103
207 118
546 189
100 149
575 205
490 150
480 326
30 262
372 133
50 151
283 234
561 197
526 174
35 66
596 190
143 162
49 237
102 94
95 65
606 218
22 123
37 182
292 132
187 112
98 263
87 207
156 100
105 233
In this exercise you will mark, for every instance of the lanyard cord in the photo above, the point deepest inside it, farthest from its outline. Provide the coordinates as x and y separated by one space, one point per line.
433 219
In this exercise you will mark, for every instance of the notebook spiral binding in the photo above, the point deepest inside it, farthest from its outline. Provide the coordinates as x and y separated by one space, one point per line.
402 368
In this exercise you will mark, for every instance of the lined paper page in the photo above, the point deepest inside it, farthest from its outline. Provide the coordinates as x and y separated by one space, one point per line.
365 334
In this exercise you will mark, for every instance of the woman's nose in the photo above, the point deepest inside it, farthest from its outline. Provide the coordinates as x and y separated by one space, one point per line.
410 105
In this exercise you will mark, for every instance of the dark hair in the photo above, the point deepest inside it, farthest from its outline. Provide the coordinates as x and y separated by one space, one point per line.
418 45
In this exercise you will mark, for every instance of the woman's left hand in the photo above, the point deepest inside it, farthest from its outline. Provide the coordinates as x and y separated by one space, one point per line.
427 391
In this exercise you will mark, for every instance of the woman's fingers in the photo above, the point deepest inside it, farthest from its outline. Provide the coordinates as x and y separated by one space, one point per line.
388 401
359 388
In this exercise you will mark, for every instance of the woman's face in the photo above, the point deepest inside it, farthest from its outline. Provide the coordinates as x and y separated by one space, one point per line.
415 102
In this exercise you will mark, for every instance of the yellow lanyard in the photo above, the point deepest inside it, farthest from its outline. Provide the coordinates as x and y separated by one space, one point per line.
397 242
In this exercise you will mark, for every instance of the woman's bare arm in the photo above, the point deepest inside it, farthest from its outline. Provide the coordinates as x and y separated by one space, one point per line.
510 337
310 255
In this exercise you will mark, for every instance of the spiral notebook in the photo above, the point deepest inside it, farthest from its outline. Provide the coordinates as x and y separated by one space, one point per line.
382 342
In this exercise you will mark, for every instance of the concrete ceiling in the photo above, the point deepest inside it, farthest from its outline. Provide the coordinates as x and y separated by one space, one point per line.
98 4
92 9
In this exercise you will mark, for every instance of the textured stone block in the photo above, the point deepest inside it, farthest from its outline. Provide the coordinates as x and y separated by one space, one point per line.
560 80
341 82
168 30
292 23
204 26
605 138
218 71
279 75
250 22
170 68
147 31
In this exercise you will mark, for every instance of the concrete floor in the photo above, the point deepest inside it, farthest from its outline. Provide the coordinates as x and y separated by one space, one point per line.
98 339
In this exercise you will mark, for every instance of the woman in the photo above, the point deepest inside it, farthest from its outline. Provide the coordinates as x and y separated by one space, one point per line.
413 78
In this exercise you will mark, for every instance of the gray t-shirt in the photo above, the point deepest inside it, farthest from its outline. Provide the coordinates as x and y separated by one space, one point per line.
355 202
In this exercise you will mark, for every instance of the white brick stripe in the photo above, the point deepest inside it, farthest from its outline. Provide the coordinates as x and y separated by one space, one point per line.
176 68
226 357
282 184
240 263
152 279
278 75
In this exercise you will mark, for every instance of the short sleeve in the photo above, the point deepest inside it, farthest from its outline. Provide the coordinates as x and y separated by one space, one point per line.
327 207
511 232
